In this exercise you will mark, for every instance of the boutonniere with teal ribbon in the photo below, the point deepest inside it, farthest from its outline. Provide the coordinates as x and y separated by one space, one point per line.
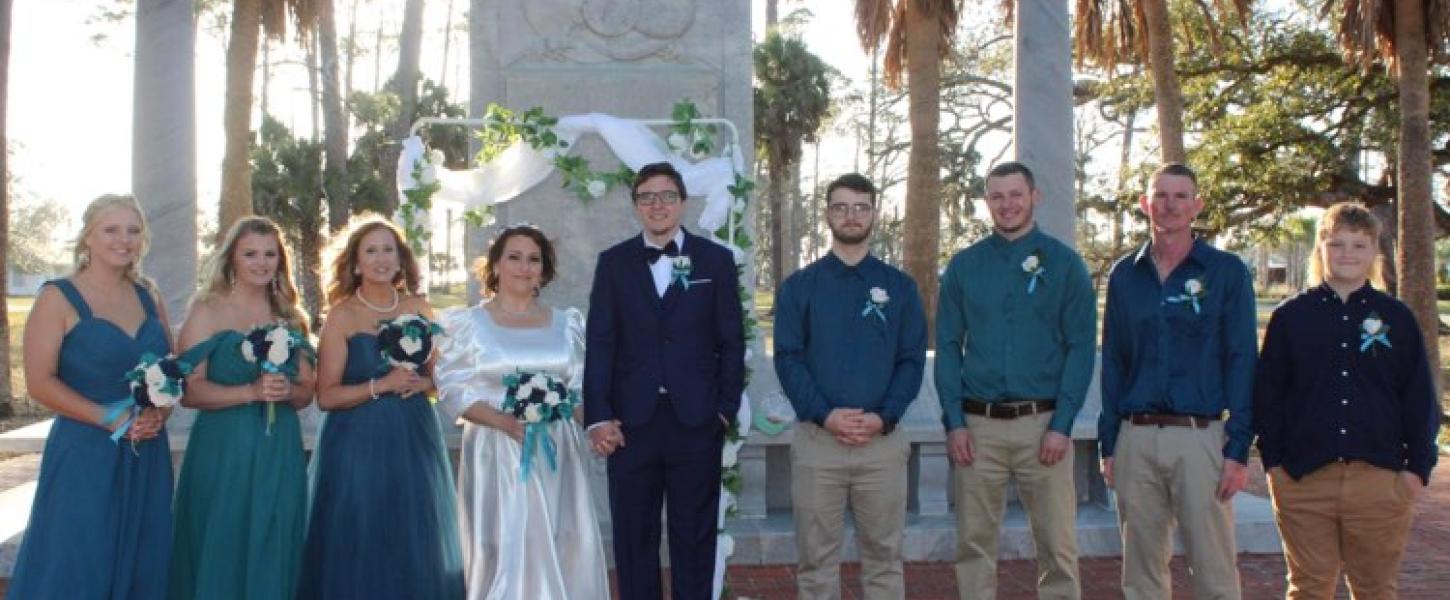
1193 293
1032 266
680 270
1373 330
875 301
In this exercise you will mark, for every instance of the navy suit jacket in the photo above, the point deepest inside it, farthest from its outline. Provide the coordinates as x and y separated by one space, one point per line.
690 342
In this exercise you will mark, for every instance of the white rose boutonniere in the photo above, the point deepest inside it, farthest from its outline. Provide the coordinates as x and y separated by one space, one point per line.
1032 266
1373 330
1193 293
680 270
876 300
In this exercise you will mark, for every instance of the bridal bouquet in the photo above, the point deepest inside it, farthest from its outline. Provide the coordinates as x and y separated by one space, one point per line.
155 382
537 399
407 340
273 348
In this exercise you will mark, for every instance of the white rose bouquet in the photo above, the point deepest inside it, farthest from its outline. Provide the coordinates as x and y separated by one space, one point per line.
536 400
407 340
155 382
274 349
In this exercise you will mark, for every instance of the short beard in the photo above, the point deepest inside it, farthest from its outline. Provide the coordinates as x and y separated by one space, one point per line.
851 240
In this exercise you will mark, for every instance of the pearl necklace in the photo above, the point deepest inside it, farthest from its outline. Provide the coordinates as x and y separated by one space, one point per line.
358 294
498 306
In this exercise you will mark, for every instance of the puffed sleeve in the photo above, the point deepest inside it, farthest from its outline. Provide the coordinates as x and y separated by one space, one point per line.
575 332
456 372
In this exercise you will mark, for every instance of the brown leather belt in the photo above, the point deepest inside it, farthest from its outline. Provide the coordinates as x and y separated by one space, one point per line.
1008 409
1166 420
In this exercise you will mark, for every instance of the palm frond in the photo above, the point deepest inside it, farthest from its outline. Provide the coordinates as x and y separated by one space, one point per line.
873 21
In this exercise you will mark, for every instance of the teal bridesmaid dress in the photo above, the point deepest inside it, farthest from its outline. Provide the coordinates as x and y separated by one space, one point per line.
100 526
242 497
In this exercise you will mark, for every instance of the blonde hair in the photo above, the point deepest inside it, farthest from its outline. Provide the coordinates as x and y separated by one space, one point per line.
81 253
1354 217
344 261
282 293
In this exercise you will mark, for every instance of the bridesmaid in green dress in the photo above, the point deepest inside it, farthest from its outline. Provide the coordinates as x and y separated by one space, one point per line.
241 500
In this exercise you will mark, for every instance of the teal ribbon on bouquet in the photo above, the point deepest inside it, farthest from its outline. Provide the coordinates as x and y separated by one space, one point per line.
536 435
114 411
1367 340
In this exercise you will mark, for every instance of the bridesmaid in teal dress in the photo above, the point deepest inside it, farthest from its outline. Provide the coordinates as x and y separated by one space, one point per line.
383 523
100 525
242 496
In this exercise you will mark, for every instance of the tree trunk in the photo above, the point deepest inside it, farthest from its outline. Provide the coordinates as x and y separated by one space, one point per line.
266 47
772 14
777 219
309 268
334 133
1416 256
314 91
6 390
352 50
793 218
236 200
405 82
447 44
1166 93
921 229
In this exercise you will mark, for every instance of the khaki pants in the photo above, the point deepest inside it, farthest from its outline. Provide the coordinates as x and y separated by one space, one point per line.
1008 448
1167 475
825 475
1353 517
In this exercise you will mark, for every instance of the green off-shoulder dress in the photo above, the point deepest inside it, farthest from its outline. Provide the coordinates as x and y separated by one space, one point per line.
240 510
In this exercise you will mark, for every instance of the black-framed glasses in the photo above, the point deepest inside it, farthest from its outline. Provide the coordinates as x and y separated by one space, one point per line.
667 198
860 209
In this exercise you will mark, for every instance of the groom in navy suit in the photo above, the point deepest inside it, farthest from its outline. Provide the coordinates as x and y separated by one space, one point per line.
663 373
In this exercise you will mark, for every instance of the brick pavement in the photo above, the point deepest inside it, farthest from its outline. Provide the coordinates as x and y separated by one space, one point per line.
1424 575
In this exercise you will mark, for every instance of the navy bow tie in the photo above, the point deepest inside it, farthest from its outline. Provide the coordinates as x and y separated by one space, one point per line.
652 255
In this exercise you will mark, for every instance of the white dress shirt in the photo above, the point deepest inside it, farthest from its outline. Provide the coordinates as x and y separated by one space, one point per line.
662 269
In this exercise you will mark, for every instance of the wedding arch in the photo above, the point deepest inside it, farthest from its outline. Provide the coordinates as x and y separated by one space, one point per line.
521 151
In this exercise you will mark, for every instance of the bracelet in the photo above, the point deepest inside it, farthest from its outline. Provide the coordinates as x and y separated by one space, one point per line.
372 391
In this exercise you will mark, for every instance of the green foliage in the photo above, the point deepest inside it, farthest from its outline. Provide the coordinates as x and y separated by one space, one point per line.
374 112
31 246
286 176
792 97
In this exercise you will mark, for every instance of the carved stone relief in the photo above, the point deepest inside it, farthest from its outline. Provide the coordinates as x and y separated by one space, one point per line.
597 31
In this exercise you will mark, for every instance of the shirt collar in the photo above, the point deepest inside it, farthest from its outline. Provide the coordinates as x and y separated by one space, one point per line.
679 240
1364 292
834 264
1198 252
1030 238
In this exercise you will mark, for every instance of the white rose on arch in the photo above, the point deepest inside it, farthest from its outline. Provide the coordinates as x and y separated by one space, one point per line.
597 188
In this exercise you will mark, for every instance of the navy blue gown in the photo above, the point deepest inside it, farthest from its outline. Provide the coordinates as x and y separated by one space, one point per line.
382 523
100 526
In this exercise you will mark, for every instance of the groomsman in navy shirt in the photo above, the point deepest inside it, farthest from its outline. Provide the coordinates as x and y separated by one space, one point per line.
1177 377
850 348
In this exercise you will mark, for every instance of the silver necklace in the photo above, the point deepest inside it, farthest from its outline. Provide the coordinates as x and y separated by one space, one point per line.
498 306
382 309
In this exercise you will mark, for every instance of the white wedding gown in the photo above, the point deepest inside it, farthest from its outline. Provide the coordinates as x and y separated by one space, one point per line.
537 538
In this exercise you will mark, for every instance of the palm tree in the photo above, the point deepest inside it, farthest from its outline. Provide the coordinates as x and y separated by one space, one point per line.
250 19
917 34
1402 34
405 85
793 96
5 389
1115 32
334 133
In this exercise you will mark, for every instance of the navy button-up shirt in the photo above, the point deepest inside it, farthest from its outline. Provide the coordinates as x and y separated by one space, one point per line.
1185 346
833 349
1345 380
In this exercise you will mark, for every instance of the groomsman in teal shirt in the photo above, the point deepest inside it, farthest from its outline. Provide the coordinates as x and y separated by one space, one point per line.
1015 341
850 349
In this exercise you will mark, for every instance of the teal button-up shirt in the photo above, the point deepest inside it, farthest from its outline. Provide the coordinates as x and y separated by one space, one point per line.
1003 333
834 349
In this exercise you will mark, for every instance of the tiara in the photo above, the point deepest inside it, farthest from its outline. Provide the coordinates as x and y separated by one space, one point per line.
524 225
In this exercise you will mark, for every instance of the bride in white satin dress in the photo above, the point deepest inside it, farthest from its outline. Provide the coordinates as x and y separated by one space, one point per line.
534 537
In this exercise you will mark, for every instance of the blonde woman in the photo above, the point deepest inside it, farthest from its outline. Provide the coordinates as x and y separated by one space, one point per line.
242 496
382 522
1346 414
100 525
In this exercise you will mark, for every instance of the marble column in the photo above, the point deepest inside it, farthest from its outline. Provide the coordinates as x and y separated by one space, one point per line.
1043 123
163 150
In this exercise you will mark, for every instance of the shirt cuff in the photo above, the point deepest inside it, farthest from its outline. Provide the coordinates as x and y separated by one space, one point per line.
596 425
1237 450
1061 422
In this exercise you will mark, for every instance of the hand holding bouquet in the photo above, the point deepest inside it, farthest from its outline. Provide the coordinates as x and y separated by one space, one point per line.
537 399
407 340
273 348
155 382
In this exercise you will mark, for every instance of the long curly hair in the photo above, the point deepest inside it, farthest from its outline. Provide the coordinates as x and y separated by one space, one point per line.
282 294
344 281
